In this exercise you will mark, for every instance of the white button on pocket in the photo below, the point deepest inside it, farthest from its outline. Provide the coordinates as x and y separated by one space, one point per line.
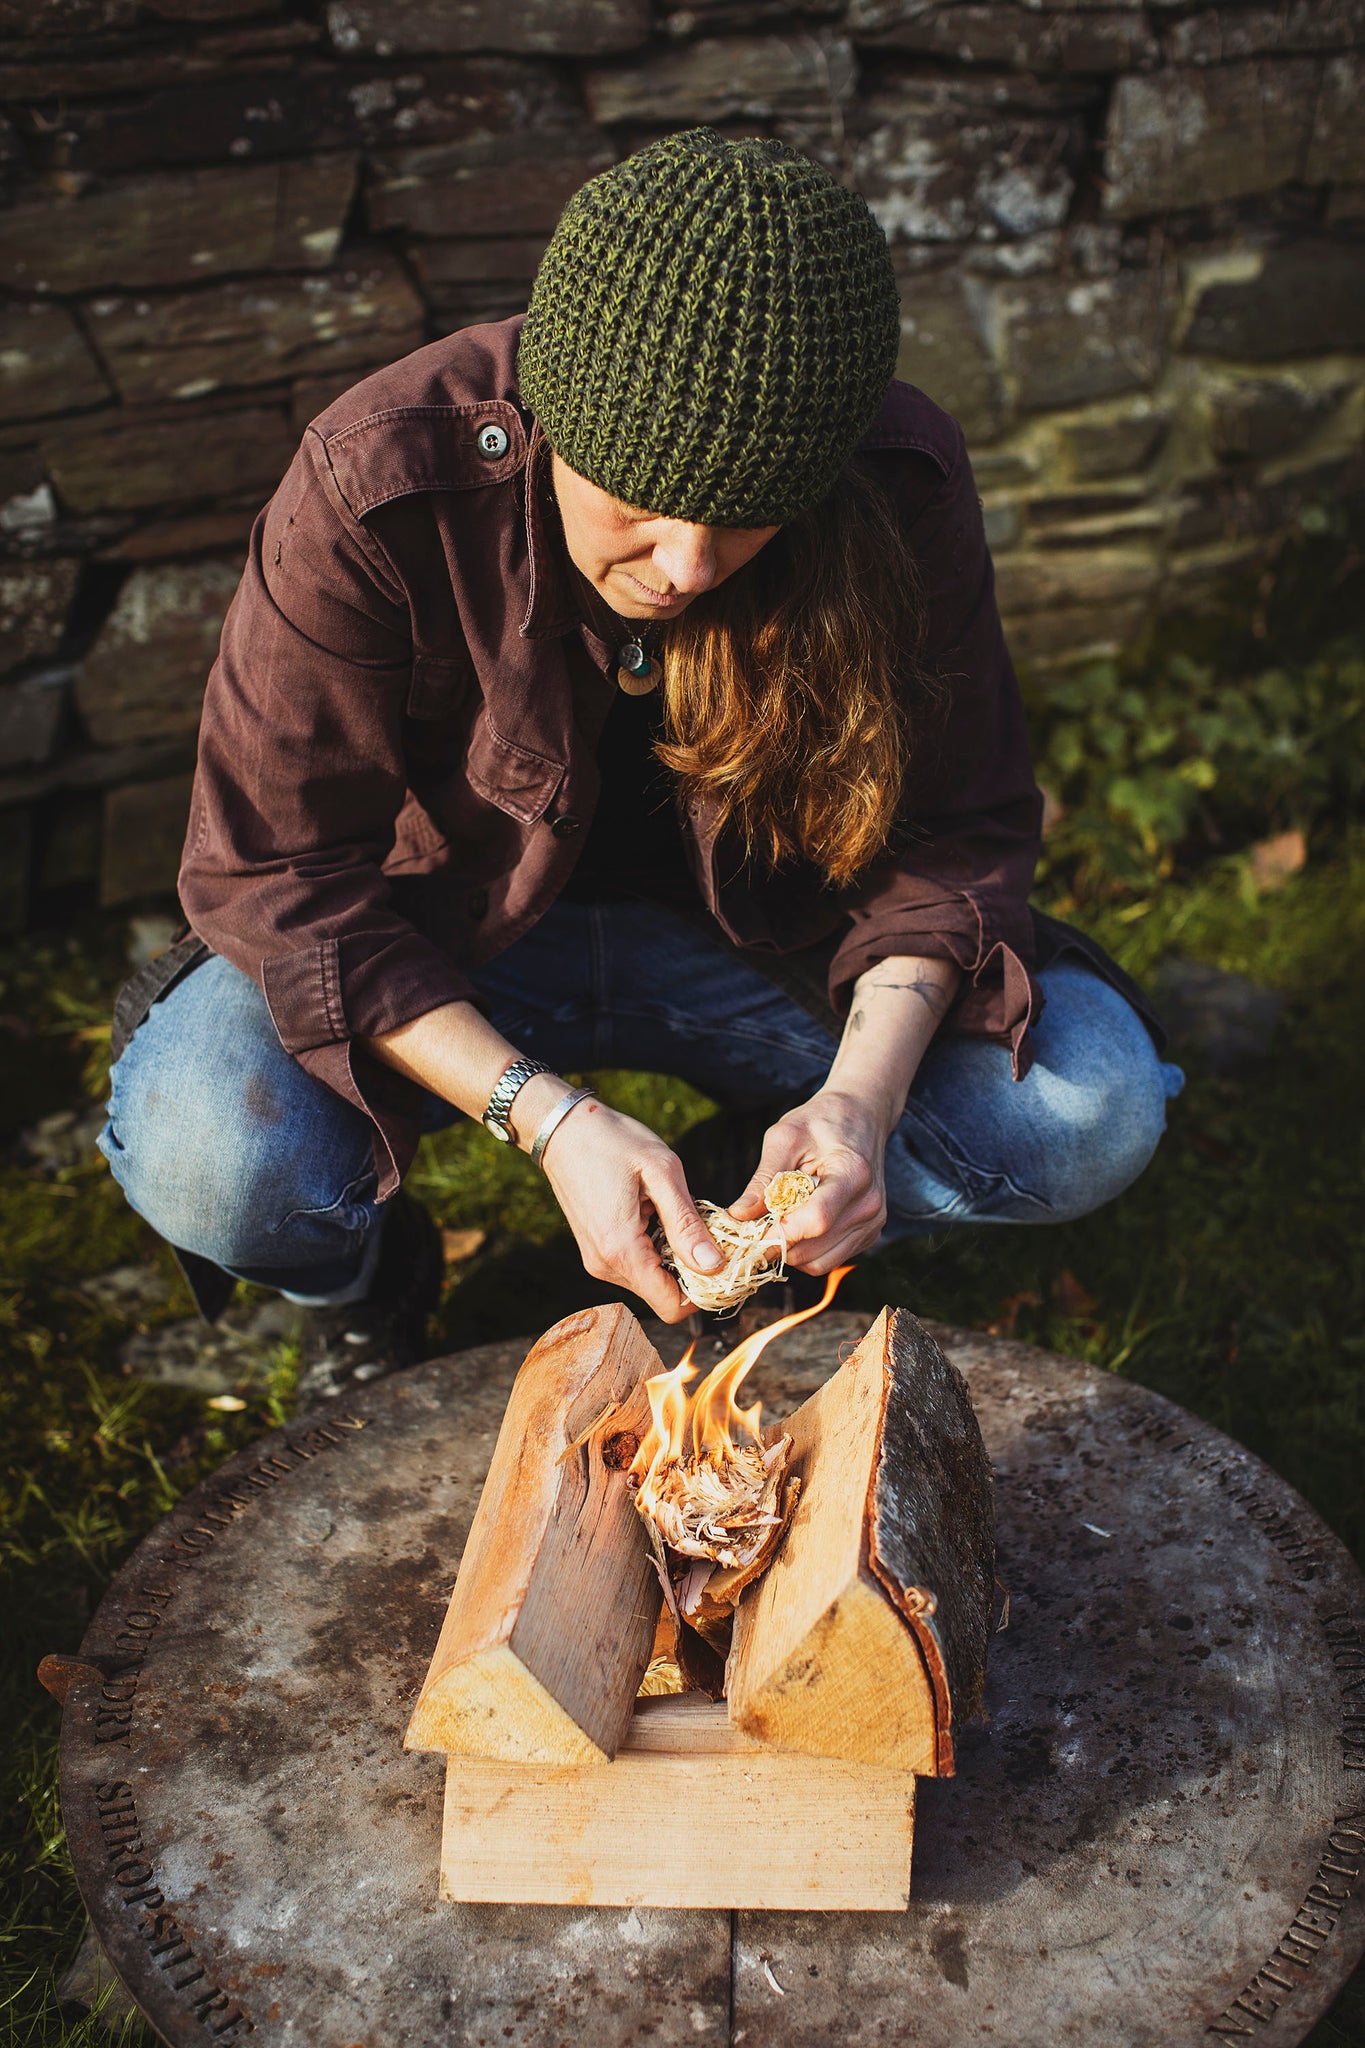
493 440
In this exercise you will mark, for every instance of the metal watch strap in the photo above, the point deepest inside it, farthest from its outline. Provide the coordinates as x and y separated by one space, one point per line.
510 1084
555 1119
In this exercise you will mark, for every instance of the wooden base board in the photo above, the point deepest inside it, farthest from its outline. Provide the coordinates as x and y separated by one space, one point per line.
690 1813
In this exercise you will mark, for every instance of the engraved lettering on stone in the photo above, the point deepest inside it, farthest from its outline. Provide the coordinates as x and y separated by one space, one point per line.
167 1947
1315 1920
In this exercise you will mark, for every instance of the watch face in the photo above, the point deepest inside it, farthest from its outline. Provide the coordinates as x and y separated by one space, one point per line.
500 1131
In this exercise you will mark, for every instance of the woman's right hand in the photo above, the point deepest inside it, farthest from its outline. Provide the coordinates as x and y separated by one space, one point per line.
612 1176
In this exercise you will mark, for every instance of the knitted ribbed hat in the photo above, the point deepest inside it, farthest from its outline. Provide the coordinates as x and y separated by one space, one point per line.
712 330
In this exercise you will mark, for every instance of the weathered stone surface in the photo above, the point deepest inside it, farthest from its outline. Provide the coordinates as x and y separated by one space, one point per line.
144 677
16 856
1218 35
940 163
1192 137
68 858
474 280
271 112
65 17
1336 148
1003 469
1033 581
31 718
508 259
95 770
1068 344
1117 445
1229 1017
1003 521
471 305
35 598
548 28
144 831
169 461
1209 580
1052 508
1102 41
163 230
1264 417
744 17
209 10
943 351
191 343
1071 633
510 186
720 78
312 395
76 74
1345 206
45 364
198 533
1236 505
1306 299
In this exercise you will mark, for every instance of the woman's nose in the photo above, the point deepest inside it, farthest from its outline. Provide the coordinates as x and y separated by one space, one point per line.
687 557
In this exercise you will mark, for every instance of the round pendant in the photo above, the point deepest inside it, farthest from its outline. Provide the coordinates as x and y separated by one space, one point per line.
639 683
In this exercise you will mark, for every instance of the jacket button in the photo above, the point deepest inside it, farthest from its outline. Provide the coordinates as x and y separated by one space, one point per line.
493 441
477 903
565 827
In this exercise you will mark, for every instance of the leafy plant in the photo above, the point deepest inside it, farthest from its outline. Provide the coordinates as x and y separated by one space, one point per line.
1145 771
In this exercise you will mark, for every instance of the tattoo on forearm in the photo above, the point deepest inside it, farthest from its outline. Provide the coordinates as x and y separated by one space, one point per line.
931 993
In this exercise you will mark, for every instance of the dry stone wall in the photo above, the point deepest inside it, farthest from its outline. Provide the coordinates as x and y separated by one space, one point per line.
1129 238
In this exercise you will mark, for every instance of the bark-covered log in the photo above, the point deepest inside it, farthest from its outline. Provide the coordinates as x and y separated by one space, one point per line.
867 1638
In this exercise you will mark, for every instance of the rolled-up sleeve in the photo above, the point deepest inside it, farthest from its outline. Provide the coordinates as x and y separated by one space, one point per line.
300 779
968 835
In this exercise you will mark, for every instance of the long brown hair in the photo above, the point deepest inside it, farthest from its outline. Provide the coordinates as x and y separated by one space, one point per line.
792 693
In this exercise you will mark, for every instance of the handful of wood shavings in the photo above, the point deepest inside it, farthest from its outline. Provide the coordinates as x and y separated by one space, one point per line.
754 1252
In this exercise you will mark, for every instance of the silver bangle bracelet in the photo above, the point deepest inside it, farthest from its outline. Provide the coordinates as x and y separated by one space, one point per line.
555 1119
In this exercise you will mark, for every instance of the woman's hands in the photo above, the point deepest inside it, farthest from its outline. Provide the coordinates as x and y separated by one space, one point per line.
611 1177
841 1143
839 1136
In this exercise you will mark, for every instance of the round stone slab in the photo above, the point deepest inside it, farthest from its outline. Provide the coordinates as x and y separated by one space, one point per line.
1155 1836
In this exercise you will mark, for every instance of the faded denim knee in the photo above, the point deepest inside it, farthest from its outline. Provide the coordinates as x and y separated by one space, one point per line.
223 1143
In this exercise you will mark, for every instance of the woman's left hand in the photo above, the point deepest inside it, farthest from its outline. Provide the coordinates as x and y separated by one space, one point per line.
841 1143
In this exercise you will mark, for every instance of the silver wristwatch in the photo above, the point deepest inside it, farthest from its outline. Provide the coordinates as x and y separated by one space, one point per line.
494 1118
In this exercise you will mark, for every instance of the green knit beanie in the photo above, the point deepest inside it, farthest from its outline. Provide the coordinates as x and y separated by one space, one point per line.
712 330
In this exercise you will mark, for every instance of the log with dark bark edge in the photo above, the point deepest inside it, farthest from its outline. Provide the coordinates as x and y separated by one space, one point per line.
552 1619
867 1638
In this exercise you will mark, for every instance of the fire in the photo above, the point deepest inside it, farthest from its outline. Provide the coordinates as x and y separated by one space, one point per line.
704 1491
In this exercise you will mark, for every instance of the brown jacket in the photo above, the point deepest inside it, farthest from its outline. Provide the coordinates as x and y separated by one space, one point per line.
397 757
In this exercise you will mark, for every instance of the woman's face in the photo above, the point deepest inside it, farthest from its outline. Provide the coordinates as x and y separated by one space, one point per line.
646 567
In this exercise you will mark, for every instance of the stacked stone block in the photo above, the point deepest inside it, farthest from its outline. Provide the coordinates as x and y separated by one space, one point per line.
1129 238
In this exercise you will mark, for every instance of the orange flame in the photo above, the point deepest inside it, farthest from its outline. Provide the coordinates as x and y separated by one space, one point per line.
709 1418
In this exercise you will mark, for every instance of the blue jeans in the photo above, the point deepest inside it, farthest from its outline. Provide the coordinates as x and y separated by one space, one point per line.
231 1151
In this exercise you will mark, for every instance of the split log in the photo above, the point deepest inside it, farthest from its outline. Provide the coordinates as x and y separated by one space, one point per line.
691 1813
867 1637
552 1619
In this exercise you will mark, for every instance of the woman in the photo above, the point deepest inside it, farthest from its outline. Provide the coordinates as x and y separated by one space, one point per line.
625 689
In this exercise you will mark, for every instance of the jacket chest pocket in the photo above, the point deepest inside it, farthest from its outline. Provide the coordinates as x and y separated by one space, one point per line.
441 685
521 782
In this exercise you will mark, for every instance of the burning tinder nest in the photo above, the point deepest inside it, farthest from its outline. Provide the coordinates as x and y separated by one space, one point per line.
715 1506
754 1252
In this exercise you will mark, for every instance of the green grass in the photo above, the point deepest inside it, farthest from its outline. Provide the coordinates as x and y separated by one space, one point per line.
1231 1277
